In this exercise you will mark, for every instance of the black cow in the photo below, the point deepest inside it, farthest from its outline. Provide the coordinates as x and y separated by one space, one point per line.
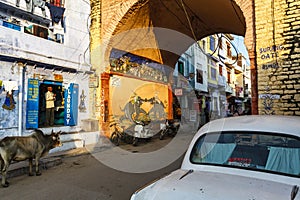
30 147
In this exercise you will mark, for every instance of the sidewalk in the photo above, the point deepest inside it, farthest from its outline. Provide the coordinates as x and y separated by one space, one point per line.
51 160
55 158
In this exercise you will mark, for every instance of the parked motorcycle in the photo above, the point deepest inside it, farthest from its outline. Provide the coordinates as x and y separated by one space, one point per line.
170 128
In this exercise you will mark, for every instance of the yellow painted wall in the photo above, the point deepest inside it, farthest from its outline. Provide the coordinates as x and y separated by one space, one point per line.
123 88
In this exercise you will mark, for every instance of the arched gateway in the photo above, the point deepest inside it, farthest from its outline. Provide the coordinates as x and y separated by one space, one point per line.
161 30
158 30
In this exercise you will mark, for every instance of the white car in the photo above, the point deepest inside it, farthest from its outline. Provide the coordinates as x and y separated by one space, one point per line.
239 158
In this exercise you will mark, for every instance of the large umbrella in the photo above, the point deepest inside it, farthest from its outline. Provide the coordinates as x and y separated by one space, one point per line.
161 30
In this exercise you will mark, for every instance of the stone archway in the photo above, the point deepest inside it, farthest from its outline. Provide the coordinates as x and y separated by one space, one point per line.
112 23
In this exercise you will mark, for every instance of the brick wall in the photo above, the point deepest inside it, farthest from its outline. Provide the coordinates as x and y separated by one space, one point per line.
278 56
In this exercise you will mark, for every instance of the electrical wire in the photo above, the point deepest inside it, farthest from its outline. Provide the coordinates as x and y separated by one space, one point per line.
182 23
219 38
234 8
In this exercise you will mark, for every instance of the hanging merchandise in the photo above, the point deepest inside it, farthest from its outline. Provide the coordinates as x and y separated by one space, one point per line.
9 103
41 4
1 88
56 14
28 4
9 86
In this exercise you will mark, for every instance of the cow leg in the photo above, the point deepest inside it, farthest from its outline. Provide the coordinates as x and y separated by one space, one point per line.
4 169
37 170
1 164
30 167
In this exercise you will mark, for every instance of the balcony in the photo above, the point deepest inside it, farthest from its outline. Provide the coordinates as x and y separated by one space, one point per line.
10 8
19 45
228 88
222 81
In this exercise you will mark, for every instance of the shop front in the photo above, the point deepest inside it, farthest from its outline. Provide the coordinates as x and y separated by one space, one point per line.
65 104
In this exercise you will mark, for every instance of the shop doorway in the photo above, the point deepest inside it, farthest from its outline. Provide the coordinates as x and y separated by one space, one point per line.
58 90
66 103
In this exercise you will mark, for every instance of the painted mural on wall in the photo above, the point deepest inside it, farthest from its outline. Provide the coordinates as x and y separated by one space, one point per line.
143 71
134 100
9 101
134 112
82 107
8 110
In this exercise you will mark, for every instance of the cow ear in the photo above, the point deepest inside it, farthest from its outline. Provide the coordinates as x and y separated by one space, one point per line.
52 132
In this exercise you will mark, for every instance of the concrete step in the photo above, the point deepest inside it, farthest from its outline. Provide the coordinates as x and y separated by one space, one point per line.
68 145
75 140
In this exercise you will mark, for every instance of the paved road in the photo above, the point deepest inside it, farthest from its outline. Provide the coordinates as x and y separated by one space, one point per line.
84 177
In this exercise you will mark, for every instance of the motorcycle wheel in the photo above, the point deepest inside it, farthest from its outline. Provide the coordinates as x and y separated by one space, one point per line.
135 141
162 134
114 138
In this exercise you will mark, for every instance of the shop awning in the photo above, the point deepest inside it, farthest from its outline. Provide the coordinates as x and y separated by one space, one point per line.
161 30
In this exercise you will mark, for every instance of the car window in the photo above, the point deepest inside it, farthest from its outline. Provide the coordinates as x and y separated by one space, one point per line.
275 153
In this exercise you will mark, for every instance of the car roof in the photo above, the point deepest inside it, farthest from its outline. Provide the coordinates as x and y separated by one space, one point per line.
262 123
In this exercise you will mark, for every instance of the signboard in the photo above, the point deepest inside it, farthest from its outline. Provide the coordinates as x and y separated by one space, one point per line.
71 105
178 92
193 115
93 81
32 111
58 77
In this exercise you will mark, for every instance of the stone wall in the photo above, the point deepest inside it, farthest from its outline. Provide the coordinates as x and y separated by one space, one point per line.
278 56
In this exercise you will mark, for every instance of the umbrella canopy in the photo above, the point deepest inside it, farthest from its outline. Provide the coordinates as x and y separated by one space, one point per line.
161 30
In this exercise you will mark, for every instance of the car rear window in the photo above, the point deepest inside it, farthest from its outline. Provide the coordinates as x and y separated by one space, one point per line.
275 153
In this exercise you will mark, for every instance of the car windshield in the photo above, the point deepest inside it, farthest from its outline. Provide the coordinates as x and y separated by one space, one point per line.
275 153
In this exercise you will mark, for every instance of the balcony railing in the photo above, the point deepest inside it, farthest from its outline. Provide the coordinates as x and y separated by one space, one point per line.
14 43
36 23
228 88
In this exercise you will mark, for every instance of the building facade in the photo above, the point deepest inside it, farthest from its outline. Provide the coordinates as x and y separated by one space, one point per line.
41 45
219 77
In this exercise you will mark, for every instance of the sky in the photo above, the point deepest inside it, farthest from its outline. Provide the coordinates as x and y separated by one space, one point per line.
239 44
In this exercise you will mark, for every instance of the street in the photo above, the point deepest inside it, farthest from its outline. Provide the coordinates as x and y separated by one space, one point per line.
83 176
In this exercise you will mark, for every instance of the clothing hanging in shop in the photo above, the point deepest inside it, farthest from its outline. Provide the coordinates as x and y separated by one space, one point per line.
28 5
56 14
9 103
9 86
56 2
41 4
1 86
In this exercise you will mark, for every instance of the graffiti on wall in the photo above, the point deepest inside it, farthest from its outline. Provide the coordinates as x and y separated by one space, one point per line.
268 101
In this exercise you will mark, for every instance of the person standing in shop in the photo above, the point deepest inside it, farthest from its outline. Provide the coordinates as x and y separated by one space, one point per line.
50 98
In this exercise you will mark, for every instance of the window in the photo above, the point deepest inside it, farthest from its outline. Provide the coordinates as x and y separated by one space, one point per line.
220 43
228 77
212 43
203 45
181 67
199 76
213 73
221 70
269 152
228 49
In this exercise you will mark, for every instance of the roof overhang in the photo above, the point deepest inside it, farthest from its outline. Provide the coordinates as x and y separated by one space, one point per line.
161 30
